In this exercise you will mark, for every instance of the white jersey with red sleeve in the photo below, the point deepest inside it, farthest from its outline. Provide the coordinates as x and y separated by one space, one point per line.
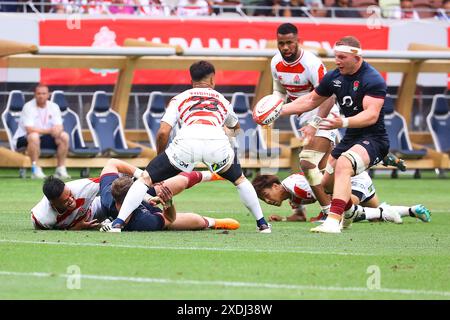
44 216
299 77
299 188
200 106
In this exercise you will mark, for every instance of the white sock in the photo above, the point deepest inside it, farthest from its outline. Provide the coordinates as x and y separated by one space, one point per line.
372 213
325 209
133 199
250 199
206 176
402 210
211 222
353 212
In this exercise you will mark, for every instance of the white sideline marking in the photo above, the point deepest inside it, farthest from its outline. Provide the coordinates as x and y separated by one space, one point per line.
228 283
87 244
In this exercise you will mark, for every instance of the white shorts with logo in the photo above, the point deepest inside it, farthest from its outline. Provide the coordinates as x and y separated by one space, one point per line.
200 143
363 183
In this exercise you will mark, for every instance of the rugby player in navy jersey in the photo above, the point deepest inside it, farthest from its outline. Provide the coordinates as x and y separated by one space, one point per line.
360 91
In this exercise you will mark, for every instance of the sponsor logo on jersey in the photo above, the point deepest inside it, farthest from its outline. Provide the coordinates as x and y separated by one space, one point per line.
337 83
355 85
366 142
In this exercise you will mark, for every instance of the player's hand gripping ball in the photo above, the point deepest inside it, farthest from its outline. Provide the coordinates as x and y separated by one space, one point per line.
267 110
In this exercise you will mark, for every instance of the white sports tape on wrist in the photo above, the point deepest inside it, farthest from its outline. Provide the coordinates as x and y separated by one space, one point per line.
344 122
315 122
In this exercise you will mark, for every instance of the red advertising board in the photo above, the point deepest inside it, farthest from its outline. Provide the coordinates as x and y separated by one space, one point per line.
216 34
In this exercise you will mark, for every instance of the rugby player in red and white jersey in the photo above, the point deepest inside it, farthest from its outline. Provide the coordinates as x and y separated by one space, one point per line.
297 72
76 205
366 205
70 209
73 205
202 113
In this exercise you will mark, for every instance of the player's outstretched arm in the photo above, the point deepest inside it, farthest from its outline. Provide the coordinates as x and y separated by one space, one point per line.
303 104
119 166
372 107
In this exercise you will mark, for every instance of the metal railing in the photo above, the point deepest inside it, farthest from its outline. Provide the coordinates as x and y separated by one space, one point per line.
82 7
80 102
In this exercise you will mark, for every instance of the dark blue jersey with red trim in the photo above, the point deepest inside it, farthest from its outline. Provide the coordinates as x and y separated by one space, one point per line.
350 91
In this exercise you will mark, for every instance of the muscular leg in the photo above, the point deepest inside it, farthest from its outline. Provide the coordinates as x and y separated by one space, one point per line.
62 142
188 221
33 146
328 177
341 201
311 156
247 193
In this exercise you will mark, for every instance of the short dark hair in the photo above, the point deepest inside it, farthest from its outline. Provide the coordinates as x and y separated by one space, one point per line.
264 181
53 188
41 85
120 187
287 28
201 69
349 41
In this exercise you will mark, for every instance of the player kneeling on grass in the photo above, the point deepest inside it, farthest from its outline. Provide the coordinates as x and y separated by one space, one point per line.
366 205
76 205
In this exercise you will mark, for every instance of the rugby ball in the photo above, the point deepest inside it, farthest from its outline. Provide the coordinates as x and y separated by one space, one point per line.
267 110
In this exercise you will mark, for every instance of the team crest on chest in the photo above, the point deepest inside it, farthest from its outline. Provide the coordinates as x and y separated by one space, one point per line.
355 85
296 79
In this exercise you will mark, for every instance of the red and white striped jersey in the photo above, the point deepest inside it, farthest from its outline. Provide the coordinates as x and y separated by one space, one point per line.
299 77
299 188
200 106
44 216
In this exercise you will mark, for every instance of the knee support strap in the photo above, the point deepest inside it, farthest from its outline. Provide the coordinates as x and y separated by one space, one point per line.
356 161
314 176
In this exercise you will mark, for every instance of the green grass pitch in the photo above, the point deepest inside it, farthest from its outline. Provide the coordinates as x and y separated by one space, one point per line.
370 261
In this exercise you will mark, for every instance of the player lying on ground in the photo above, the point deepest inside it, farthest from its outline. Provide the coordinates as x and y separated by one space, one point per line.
366 205
76 205
148 217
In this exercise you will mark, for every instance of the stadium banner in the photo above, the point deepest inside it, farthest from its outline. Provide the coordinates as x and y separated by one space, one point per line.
195 34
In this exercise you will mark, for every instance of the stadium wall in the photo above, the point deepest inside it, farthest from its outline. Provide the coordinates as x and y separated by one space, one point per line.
203 33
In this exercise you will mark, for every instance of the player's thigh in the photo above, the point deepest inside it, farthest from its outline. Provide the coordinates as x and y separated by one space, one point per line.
162 168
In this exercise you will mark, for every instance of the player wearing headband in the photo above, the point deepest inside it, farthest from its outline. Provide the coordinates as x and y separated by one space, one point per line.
360 91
